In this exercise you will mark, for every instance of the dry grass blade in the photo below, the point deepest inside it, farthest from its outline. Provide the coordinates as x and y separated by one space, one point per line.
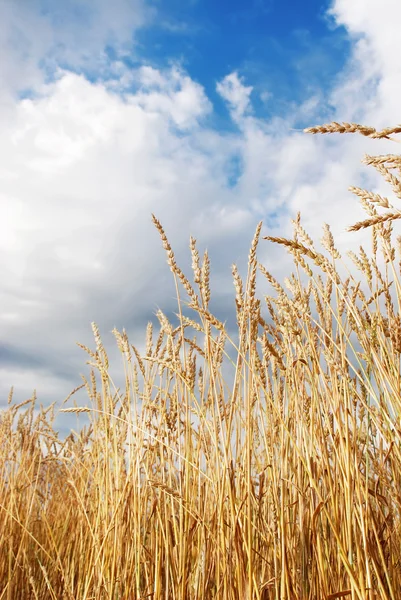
393 160
371 132
292 245
371 197
391 216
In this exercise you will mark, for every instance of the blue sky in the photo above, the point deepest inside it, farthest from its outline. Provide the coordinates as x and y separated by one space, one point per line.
286 49
193 111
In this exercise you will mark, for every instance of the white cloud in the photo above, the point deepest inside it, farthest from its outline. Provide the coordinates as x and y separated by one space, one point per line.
82 170
233 90
83 166
370 86
173 94
38 35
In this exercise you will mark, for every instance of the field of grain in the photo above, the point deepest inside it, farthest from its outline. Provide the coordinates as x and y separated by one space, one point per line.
283 484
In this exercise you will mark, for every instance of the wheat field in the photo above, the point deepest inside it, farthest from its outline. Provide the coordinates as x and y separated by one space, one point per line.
282 484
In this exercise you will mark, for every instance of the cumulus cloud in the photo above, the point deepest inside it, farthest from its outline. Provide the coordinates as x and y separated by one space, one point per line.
82 170
370 84
173 94
233 90
83 164
39 36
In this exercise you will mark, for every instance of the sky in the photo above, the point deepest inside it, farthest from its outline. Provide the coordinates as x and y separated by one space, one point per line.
189 109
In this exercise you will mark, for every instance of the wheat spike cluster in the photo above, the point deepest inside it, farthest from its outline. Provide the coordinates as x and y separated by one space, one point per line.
259 463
